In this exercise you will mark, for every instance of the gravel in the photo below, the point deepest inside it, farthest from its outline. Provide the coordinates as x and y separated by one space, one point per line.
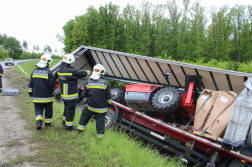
14 142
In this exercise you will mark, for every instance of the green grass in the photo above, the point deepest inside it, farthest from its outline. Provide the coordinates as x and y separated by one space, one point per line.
14 143
58 147
28 67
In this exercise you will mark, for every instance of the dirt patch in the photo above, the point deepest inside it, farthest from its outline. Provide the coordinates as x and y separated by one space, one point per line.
14 137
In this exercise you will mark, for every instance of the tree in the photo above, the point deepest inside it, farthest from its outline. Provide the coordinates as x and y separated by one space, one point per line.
2 38
37 48
175 15
68 41
25 45
13 47
3 54
47 49
34 48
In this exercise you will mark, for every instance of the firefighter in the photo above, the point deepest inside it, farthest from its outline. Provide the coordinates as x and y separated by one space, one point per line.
68 77
1 73
96 93
41 88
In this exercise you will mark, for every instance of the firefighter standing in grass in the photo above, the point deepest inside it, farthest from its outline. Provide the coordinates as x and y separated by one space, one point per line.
68 80
1 73
41 88
96 93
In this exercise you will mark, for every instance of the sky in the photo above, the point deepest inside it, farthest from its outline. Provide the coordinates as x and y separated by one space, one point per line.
38 22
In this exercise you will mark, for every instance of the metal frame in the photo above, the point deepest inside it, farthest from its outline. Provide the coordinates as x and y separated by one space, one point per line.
167 142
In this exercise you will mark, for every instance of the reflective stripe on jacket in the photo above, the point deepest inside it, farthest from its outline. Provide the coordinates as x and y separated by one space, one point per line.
1 70
41 85
97 95
68 80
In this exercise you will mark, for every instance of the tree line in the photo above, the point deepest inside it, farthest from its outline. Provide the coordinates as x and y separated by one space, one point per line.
11 47
182 32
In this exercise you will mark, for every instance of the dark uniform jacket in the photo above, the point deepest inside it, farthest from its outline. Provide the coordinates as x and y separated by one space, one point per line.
1 70
68 79
41 85
97 95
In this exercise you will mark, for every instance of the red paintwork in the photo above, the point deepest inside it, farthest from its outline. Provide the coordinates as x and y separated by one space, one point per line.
57 84
140 88
187 102
129 114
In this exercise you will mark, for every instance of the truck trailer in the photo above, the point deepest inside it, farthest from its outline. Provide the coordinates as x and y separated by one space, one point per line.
158 102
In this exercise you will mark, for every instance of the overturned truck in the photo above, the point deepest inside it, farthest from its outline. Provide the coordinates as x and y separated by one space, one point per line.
159 103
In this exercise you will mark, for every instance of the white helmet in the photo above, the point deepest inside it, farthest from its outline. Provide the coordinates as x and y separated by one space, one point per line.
44 61
68 58
99 70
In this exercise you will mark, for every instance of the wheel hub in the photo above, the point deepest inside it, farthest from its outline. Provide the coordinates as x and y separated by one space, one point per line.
165 97
107 120
114 93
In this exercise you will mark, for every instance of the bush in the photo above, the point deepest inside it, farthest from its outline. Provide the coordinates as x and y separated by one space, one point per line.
3 54
56 57
28 55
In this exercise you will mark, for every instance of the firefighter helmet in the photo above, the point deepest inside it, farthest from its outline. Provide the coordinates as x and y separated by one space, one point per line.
44 61
68 58
99 70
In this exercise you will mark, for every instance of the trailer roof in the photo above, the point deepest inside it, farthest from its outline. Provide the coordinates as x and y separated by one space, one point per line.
130 68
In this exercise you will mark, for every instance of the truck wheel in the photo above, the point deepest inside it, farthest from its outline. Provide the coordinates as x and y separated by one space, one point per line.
57 95
81 105
117 94
166 100
110 119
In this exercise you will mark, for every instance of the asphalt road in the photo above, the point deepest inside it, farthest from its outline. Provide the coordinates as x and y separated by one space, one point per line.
15 62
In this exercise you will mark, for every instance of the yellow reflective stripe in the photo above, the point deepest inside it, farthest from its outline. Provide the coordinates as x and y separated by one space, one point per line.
39 118
48 121
1 74
99 111
99 136
42 101
85 100
110 102
64 88
0 88
57 79
97 87
61 74
87 73
64 117
39 76
72 95
68 122
81 128
29 90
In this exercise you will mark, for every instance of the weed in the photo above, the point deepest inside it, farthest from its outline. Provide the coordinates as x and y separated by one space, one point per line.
14 143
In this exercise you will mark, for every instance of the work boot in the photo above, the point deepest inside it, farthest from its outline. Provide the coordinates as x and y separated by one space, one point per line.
64 123
39 127
48 124
70 128
80 131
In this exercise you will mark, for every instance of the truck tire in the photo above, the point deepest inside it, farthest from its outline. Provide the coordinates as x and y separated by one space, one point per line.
117 94
57 95
110 119
81 105
166 100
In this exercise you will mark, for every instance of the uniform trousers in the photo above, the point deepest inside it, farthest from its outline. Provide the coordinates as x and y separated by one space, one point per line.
69 112
99 118
39 108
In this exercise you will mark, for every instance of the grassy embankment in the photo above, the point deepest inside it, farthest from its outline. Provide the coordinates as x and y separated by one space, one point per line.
57 147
